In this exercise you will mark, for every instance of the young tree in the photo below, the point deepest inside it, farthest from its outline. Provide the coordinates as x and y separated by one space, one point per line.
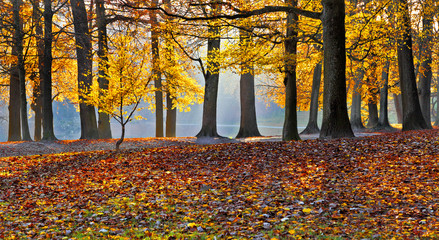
84 58
129 77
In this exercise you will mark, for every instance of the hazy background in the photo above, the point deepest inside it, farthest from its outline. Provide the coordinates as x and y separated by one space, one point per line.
270 117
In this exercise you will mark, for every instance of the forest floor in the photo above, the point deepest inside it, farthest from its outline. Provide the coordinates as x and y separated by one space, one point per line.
374 187
22 148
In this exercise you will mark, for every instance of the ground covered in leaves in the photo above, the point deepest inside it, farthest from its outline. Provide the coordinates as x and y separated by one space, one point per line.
375 187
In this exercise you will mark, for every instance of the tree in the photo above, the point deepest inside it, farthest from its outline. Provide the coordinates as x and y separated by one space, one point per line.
128 76
290 123
157 74
48 132
248 126
18 44
426 53
104 128
335 116
383 121
412 114
356 120
312 126
211 78
84 58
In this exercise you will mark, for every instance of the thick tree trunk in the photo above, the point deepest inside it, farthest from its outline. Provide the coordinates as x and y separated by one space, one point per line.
383 120
335 113
248 124
18 43
208 126
290 123
14 133
171 117
373 114
356 120
426 61
412 114
157 74
48 133
104 127
312 126
87 113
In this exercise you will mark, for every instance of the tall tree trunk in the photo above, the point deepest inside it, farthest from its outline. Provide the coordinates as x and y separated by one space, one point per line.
171 112
104 127
37 91
426 61
14 133
290 123
373 114
335 113
18 42
171 117
383 120
48 133
356 120
157 74
211 77
412 114
248 124
87 113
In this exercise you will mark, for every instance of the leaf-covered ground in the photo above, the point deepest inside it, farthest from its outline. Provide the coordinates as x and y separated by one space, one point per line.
376 187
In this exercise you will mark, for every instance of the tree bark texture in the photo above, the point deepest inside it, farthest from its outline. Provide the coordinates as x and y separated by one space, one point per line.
356 120
426 75
312 126
290 123
208 126
157 74
14 133
248 124
171 117
18 43
373 114
48 132
411 110
335 113
87 113
397 100
104 127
